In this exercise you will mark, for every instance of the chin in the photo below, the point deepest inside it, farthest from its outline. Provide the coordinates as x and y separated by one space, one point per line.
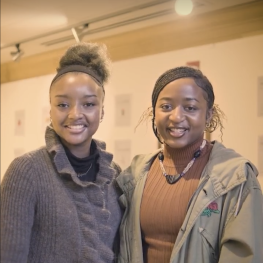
177 143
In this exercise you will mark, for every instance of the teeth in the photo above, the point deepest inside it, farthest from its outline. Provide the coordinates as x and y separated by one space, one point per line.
177 129
75 127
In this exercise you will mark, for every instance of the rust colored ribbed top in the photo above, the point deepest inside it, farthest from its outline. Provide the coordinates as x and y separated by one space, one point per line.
164 206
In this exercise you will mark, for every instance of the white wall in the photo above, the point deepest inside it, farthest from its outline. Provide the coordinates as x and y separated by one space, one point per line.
233 67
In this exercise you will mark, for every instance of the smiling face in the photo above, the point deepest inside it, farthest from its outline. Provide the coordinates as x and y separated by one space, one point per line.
181 113
76 110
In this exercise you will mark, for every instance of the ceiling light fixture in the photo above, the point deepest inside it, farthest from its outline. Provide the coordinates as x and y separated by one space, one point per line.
183 7
102 18
77 31
16 55
75 34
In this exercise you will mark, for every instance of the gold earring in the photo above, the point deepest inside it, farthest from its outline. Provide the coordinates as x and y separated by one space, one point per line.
50 124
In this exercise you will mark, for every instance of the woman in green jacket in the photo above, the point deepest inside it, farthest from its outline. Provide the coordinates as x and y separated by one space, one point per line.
193 201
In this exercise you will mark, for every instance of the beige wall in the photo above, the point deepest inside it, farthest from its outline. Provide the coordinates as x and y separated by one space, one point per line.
233 67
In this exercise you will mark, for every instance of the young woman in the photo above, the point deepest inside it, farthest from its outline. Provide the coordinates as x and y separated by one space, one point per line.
192 200
59 202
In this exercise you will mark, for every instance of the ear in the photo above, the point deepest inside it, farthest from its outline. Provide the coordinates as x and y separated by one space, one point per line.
209 115
102 113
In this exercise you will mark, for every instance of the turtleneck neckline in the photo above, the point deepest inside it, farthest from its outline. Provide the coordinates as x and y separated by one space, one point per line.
86 167
182 156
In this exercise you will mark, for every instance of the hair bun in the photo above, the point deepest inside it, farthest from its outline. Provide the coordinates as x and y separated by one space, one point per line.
91 55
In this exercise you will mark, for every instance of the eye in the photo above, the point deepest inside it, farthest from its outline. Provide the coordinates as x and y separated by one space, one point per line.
63 105
166 107
89 104
190 108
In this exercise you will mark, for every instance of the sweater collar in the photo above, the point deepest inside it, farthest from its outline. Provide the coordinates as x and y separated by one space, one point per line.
63 166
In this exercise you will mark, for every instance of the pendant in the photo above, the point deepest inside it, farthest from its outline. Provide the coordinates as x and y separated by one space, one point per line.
172 179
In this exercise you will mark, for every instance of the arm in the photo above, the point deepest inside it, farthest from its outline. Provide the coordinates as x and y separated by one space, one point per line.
17 211
242 239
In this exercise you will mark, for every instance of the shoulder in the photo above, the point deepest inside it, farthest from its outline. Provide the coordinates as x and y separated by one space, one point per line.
27 158
139 167
221 153
227 167
22 166
228 158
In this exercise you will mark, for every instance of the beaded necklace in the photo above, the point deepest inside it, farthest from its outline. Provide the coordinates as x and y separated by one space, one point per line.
172 179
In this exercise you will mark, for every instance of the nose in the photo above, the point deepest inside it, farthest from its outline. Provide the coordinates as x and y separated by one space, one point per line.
75 112
177 115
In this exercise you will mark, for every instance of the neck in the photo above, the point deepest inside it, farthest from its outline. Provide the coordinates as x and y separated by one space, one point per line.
181 156
80 151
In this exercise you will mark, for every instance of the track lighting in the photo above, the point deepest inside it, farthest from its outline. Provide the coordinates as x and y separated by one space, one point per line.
75 34
16 55
78 31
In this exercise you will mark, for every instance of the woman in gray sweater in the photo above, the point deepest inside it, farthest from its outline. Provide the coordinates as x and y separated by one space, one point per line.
59 202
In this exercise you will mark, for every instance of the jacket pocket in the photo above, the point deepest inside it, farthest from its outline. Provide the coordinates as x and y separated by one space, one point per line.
208 245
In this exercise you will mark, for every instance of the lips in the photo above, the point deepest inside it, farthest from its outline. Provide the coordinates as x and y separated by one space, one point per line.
76 128
177 132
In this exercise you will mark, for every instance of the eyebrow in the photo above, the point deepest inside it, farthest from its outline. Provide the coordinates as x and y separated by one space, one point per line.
187 99
66 96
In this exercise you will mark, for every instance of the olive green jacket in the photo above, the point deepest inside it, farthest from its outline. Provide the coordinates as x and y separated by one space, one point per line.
224 220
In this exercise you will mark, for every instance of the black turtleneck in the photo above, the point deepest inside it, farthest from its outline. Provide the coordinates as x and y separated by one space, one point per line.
87 167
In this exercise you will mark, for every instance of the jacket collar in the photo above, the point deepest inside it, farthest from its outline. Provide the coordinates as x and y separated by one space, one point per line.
226 168
222 163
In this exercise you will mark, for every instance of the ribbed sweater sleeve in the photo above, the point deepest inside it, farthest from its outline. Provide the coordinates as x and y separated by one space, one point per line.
17 211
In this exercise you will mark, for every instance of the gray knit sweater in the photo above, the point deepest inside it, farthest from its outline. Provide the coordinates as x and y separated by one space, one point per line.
48 215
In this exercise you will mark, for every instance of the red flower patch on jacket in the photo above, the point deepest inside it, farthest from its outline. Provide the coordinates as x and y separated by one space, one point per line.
212 208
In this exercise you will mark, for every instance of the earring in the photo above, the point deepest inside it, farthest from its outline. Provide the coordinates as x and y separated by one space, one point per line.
207 125
50 124
156 133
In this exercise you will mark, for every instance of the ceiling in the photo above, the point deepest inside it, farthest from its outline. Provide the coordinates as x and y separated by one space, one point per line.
40 26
